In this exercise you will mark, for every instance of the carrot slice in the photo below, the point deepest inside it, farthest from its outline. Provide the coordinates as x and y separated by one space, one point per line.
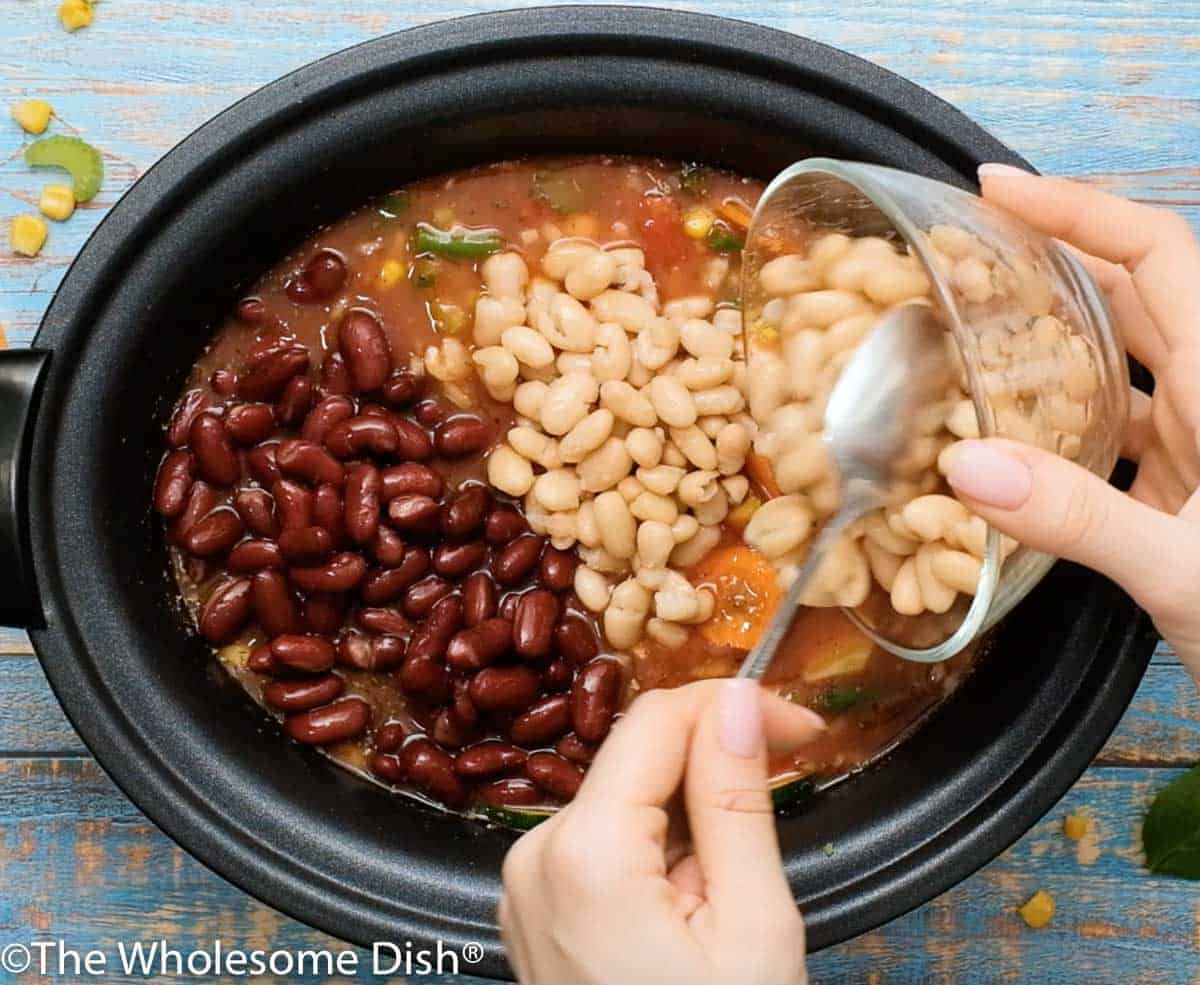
761 474
747 591
736 211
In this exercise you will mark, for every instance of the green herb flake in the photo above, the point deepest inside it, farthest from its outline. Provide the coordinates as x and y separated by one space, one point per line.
835 700
722 239
1171 832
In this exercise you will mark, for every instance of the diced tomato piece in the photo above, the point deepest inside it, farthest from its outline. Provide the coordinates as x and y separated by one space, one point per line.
664 242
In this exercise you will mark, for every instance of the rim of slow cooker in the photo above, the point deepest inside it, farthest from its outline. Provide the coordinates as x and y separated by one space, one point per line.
1027 791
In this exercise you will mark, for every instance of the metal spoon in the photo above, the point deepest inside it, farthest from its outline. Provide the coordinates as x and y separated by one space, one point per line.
870 421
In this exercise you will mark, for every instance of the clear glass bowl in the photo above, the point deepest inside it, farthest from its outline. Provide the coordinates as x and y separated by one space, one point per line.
1017 386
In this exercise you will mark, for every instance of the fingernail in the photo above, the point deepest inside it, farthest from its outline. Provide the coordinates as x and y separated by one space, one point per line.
1001 171
985 473
740 718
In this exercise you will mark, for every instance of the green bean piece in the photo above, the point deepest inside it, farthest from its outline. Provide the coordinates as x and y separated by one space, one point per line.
464 244
77 157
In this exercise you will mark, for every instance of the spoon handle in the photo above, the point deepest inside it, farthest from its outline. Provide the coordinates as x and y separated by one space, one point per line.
759 659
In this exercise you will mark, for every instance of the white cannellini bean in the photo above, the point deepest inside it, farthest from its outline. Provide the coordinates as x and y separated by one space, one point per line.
657 343
651 506
701 339
631 312
719 401
696 447
590 276
736 487
819 309
711 425
804 353
807 463
585 525
698 487
732 445
509 472
639 375
612 358
528 346
570 326
971 535
778 526
906 591
628 404
704 373
684 528
769 384
505 275
626 614
496 365
573 362
884 564
586 436
828 250
567 402
673 456
606 466
645 447
677 604
666 634
655 543
535 446
692 306
953 241
846 333
661 479
933 517
630 488
591 588
729 321
693 550
560 527
565 255
788 275
448 362
528 398
672 402
957 569
557 490
598 559
962 420
972 278
935 596
493 315
896 282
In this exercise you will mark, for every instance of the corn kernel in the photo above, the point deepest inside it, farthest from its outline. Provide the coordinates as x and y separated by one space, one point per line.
32 114
57 202
390 273
698 221
75 14
1038 910
1075 826
28 235
235 655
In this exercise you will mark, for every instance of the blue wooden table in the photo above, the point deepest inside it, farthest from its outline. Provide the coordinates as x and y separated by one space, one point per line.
1104 90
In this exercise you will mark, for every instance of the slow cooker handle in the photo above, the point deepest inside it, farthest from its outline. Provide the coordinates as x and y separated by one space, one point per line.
21 374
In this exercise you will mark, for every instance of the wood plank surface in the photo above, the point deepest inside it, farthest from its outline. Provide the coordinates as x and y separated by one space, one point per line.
1104 90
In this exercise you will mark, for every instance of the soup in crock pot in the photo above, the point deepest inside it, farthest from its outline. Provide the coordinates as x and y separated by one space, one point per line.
476 465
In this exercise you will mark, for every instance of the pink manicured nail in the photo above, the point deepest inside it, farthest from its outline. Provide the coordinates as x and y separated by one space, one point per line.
740 718
1001 171
983 472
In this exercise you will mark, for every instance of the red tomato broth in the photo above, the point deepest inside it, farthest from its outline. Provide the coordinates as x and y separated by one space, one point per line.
611 200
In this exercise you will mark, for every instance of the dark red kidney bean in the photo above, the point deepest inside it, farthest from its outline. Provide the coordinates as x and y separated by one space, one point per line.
432 770
388 652
385 585
533 627
254 555
411 477
179 428
344 719
503 524
308 654
387 547
262 465
358 435
510 792
215 534
508 606
424 678
543 723
464 708
260 660
489 759
554 774
385 621
302 695
248 424
513 562
321 278
448 731
309 461
413 565
413 443
173 482
294 504
361 511
557 675
226 612
509 689
375 411
201 500
269 368
594 699
224 382
571 747
370 653
387 767
252 311
422 595
460 435
401 388
363 344
216 461
430 413
463 515
389 737
327 413
257 510
325 612
305 545
455 560
274 606
341 573
558 569
480 645
479 598
413 512
294 403
576 640
445 618
335 377
329 511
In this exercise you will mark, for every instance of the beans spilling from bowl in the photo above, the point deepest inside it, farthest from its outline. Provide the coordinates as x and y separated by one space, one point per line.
333 543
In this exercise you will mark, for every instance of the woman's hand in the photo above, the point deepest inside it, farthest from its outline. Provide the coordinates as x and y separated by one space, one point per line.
1148 541
608 891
